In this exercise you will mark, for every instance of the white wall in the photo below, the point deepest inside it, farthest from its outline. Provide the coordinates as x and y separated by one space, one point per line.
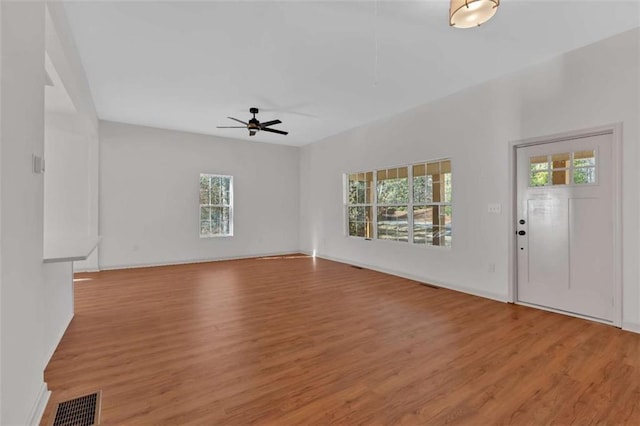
149 195
66 188
58 312
70 178
592 86
1 248
71 145
22 293
66 200
71 185
35 299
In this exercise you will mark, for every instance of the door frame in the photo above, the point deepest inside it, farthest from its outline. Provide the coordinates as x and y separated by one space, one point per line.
616 133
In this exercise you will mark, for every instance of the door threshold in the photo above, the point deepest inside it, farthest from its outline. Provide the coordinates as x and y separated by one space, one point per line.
568 313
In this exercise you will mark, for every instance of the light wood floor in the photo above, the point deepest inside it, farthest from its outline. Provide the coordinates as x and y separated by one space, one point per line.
286 341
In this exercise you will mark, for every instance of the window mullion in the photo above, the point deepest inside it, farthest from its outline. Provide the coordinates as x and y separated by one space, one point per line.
346 184
374 208
410 205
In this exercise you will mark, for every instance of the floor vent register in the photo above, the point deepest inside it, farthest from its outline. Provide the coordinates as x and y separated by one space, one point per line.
82 411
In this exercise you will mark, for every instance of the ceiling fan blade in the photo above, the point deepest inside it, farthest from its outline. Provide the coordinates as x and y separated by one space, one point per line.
270 123
231 127
280 132
239 121
252 132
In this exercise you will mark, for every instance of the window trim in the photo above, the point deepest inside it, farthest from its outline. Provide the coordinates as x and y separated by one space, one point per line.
410 205
433 203
347 188
229 206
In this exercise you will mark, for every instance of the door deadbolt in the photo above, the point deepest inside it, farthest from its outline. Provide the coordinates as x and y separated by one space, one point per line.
522 233
522 222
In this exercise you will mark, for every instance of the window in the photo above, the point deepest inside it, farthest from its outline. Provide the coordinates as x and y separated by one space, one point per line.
432 203
216 206
569 168
412 204
360 204
392 190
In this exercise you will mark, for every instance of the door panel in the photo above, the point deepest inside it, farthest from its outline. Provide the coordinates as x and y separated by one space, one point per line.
565 247
588 271
548 256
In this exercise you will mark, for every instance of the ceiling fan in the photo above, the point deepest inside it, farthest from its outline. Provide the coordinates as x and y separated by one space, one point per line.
254 126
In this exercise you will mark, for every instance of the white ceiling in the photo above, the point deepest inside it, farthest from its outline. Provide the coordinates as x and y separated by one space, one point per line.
314 65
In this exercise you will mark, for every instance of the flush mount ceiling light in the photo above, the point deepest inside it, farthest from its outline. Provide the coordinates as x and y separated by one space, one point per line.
471 13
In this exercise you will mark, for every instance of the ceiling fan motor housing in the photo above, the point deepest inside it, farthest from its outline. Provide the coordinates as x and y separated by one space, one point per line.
253 124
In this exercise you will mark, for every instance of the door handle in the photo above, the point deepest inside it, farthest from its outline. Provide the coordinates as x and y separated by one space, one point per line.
522 233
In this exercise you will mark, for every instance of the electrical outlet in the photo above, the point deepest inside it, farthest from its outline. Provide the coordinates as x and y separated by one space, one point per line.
492 267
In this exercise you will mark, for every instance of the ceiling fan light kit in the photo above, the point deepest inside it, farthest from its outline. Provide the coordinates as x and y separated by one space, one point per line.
254 126
471 13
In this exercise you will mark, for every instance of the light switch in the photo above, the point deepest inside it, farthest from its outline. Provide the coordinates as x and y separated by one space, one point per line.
38 164
494 208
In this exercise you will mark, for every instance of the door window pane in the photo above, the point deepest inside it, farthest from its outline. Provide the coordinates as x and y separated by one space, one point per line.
560 177
566 168
561 161
539 178
584 175
539 163
584 158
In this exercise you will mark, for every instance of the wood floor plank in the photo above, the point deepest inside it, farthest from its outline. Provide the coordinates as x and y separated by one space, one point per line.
297 340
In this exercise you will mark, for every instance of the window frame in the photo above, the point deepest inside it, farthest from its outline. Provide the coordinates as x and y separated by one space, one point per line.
410 205
439 204
229 206
377 204
371 205
570 170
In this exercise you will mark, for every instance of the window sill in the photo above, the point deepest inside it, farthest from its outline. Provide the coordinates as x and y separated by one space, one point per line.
403 243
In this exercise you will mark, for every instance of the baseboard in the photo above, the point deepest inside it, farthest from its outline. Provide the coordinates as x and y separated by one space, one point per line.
82 270
421 279
39 405
188 262
58 340
634 327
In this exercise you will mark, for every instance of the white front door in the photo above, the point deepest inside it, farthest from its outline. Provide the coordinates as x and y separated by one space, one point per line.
565 214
